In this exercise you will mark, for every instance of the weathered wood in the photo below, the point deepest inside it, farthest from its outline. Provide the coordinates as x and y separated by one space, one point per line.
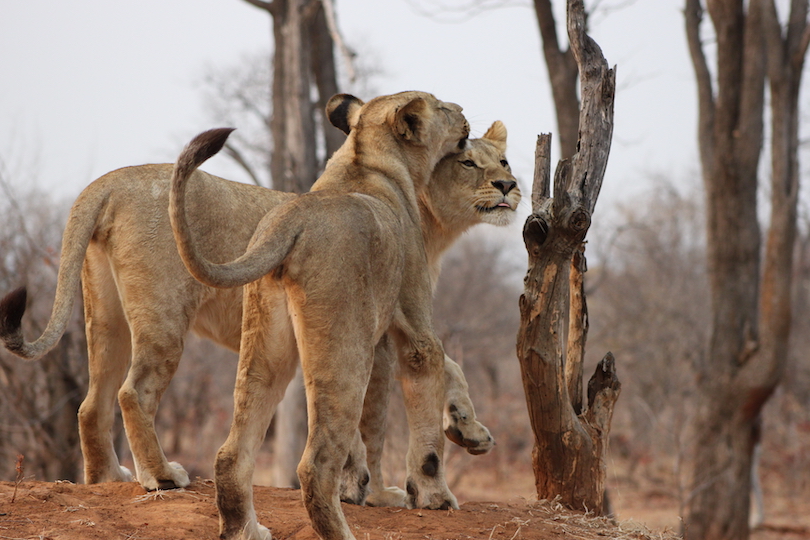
577 329
570 444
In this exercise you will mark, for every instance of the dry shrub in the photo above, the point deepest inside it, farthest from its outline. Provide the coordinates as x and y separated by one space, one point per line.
39 400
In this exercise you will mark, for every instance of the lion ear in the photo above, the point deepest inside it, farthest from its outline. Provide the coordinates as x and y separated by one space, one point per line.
496 134
407 122
342 111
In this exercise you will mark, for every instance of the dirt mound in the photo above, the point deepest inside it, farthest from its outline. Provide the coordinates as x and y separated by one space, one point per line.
68 511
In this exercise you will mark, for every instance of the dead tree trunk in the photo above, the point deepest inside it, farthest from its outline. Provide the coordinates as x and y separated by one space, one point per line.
570 444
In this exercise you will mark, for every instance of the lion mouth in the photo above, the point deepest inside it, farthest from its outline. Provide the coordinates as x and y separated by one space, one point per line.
500 206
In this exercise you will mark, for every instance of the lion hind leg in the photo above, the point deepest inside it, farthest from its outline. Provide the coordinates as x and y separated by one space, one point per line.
373 426
460 423
259 388
256 395
336 374
333 421
155 360
267 364
109 350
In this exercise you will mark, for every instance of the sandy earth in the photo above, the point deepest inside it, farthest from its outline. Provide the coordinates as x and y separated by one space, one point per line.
45 510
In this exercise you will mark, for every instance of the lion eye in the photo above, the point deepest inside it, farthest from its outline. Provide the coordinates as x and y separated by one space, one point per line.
468 163
504 163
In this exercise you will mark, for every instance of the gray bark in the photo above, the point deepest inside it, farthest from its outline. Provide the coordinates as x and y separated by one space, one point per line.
750 298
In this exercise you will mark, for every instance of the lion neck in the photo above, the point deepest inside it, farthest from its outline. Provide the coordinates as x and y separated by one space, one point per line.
404 169
439 231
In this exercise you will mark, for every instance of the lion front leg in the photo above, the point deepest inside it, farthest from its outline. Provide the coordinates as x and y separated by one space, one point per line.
460 423
422 377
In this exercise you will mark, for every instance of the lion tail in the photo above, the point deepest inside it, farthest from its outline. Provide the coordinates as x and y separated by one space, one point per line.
256 262
79 230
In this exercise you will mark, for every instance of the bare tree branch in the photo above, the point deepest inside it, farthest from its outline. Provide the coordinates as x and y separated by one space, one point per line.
240 160
347 54
693 13
267 6
563 72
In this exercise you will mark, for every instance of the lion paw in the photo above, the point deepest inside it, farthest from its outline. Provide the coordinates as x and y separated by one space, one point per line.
126 474
390 496
430 494
173 478
251 531
262 533
354 484
465 431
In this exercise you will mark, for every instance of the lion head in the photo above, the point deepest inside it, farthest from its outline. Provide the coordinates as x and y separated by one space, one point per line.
474 186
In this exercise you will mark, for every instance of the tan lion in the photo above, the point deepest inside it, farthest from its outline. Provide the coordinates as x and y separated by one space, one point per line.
336 275
119 229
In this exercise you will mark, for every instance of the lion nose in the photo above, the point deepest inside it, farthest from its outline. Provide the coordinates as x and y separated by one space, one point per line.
504 186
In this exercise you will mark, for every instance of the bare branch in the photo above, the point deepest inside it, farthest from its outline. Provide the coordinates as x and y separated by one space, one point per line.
347 54
598 88
775 46
796 38
693 13
801 51
240 160
541 188
752 97
562 72
267 6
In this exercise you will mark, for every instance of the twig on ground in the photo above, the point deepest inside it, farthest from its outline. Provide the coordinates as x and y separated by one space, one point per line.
20 472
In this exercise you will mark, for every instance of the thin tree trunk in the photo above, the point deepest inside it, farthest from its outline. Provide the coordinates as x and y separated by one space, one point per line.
323 67
563 74
569 451
293 162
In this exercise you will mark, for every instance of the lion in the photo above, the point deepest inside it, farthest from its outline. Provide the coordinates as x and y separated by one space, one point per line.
119 230
336 275
473 187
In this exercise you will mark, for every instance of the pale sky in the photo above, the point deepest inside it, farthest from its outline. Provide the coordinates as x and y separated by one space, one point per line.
93 85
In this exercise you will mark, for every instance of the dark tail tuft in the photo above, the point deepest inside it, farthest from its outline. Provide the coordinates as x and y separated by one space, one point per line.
12 308
202 147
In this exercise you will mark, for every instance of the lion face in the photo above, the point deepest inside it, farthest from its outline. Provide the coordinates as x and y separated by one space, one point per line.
496 194
477 185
